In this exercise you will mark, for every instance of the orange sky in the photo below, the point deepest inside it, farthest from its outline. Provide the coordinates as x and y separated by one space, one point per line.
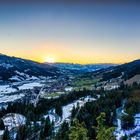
60 53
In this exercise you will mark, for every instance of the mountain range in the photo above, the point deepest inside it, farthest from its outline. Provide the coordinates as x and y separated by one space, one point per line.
17 69
80 67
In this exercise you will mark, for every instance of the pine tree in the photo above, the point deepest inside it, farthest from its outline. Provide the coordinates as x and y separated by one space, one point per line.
63 132
124 138
6 135
2 127
48 127
42 137
74 111
104 133
58 110
78 131
47 130
21 134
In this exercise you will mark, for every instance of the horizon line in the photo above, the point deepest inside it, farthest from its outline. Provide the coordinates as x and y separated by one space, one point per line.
70 62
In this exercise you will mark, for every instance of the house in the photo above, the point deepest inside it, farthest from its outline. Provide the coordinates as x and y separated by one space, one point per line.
111 86
137 119
68 88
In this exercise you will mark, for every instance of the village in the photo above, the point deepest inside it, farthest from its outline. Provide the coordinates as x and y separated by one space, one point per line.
53 88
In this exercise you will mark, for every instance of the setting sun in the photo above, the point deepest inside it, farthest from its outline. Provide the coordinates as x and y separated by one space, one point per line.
49 59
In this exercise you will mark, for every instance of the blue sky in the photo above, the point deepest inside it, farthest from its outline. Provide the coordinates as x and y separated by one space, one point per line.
87 33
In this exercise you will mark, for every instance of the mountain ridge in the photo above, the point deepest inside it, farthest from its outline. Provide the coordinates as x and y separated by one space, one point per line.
13 66
81 67
127 70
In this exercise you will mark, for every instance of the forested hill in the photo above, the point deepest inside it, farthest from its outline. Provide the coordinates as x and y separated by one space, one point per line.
127 70
12 67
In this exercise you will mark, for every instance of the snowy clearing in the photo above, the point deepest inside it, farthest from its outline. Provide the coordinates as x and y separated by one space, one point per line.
10 98
30 85
13 120
6 89
67 111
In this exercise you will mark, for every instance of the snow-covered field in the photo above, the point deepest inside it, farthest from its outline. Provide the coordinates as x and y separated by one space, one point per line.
30 85
119 132
7 89
68 108
22 86
13 120
67 111
10 98
8 93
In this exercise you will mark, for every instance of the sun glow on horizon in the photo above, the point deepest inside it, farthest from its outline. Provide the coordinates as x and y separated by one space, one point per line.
50 59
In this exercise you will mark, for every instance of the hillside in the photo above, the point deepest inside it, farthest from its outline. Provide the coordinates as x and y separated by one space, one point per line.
127 70
16 69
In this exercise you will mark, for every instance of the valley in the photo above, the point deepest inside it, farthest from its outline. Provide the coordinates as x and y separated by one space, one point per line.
37 102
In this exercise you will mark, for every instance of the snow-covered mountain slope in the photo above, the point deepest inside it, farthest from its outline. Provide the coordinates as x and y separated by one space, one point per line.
17 69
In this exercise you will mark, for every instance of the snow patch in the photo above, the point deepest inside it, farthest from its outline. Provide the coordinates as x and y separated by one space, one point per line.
15 78
7 89
30 85
7 66
13 120
10 98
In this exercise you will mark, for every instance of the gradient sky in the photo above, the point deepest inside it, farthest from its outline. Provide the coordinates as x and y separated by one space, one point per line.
78 33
